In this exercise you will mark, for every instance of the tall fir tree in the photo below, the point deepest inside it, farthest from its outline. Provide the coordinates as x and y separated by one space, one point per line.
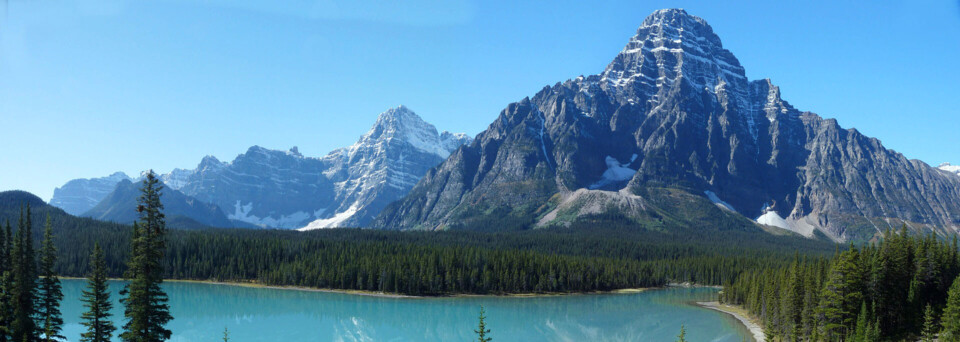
146 307
22 326
683 334
950 320
482 330
841 296
48 310
6 282
96 300
930 326
862 330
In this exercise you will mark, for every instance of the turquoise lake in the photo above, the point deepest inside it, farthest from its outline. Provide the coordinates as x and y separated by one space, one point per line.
202 311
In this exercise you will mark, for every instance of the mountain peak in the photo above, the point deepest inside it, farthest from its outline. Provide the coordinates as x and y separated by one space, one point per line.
402 124
673 47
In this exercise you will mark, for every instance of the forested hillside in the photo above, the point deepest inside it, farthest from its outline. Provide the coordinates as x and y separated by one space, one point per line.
892 290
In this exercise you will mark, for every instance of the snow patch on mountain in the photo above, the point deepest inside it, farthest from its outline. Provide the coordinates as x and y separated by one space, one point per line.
241 212
616 172
336 221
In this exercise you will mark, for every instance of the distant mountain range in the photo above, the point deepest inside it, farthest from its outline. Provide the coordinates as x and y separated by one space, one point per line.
284 189
671 124
80 195
181 211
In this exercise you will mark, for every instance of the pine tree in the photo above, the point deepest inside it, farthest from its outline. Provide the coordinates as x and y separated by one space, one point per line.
863 327
874 333
951 315
841 296
930 327
146 303
24 289
51 321
96 298
6 283
482 330
683 334
226 335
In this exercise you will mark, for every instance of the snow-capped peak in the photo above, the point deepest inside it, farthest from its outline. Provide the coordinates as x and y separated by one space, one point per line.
401 123
954 169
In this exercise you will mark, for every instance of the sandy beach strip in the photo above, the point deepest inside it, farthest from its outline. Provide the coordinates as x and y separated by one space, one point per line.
740 315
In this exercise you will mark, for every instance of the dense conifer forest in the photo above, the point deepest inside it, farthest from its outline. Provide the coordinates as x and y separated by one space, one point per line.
598 255
901 288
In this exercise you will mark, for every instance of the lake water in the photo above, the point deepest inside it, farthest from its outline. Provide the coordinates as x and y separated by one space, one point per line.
202 311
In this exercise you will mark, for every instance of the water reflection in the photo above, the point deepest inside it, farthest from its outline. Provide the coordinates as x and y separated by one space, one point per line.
201 311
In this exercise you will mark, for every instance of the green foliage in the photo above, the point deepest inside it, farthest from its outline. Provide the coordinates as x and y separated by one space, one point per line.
930 326
96 299
146 307
24 289
50 319
482 330
226 335
841 296
881 291
951 315
6 283
683 334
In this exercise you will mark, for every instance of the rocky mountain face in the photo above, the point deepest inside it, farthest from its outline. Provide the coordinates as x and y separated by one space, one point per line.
182 211
79 195
670 124
348 187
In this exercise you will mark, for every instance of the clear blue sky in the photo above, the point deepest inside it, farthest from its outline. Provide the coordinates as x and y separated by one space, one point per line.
88 89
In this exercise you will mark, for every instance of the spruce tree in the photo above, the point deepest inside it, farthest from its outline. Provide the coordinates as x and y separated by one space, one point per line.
226 335
96 299
22 325
6 282
930 327
145 303
951 315
863 326
683 334
482 330
841 296
51 320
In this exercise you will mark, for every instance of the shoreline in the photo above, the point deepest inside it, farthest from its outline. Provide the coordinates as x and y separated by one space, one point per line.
251 284
755 329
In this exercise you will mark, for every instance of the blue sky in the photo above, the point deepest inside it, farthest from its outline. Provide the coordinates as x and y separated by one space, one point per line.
89 88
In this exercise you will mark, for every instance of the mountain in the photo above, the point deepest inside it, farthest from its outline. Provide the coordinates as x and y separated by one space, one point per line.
953 169
348 187
182 211
79 195
673 133
383 166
